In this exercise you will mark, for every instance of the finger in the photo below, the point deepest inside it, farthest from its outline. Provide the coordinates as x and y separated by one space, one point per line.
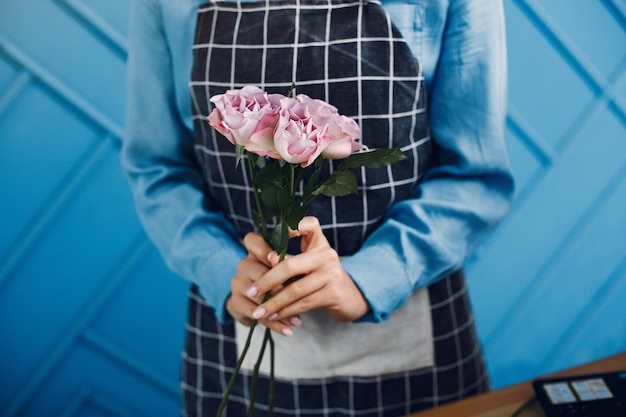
294 299
310 230
258 248
294 320
273 258
307 225
280 327
250 268
273 281
241 309
291 313
296 266
248 271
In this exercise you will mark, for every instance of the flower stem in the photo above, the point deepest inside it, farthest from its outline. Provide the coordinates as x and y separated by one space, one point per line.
270 399
257 198
292 185
255 375
231 382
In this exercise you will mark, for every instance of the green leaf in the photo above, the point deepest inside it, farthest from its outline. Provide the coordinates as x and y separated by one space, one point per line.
339 184
276 200
295 215
372 159
299 174
272 181
312 182
261 162
280 236
238 154
258 219
271 173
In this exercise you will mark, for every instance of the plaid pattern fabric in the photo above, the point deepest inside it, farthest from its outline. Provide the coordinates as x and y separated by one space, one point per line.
459 371
347 53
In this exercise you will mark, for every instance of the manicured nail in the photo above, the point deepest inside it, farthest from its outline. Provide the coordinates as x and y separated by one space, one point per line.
258 313
252 291
287 331
296 321
273 316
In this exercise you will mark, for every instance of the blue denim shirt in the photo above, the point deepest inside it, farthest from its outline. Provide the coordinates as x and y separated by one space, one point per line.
461 45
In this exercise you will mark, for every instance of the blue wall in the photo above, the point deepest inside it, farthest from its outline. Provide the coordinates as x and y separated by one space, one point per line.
91 321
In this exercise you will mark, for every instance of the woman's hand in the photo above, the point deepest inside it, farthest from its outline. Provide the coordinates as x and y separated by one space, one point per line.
323 283
249 270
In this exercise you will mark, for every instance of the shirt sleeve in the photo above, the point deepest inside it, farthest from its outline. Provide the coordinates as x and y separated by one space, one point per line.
158 159
430 235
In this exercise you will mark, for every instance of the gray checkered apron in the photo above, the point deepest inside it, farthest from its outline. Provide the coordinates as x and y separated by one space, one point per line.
349 54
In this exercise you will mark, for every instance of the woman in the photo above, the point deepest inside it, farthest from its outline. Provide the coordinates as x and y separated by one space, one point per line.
379 322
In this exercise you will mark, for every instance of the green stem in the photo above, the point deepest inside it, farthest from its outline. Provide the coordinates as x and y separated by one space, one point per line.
231 382
267 338
292 185
291 89
270 399
257 198
255 375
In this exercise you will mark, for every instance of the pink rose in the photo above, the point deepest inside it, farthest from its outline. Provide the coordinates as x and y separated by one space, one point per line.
300 138
297 130
344 131
247 117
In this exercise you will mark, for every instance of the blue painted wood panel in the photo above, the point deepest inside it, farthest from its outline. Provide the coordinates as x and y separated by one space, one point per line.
92 321
546 286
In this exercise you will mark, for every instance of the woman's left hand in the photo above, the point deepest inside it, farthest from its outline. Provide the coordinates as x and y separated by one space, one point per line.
323 282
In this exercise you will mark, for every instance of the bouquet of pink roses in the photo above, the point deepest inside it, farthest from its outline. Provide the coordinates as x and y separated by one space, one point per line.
286 138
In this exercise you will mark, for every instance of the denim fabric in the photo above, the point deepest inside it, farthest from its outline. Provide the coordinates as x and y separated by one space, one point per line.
461 46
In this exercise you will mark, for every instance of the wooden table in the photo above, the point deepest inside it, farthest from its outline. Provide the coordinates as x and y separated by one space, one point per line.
504 402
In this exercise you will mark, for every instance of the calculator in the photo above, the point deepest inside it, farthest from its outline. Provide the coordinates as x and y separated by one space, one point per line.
592 395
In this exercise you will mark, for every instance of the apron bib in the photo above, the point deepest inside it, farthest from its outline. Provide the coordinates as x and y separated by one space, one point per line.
349 54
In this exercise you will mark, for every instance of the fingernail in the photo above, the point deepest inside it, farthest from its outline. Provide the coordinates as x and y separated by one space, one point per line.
270 255
258 313
296 321
273 316
287 331
252 291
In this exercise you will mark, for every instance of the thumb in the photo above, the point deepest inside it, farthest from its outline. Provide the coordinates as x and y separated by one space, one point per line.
311 232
